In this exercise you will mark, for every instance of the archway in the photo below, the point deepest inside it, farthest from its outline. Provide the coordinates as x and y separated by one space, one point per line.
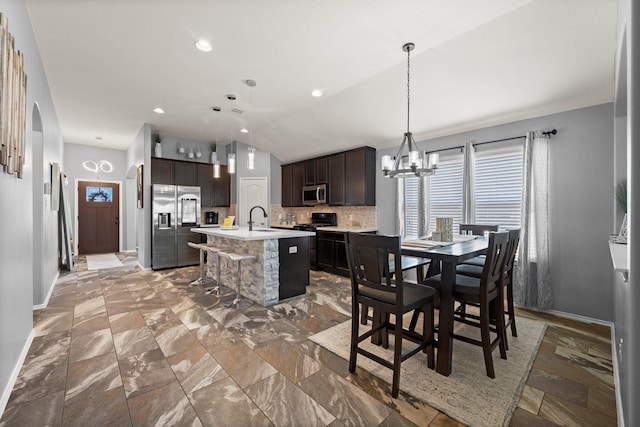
37 155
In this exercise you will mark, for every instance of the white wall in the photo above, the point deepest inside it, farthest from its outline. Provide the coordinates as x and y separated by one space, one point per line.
580 202
17 252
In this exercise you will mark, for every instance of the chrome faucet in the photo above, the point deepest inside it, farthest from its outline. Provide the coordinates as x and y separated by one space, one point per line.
250 222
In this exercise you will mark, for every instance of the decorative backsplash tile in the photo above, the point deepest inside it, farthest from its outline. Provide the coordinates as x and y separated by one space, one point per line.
348 216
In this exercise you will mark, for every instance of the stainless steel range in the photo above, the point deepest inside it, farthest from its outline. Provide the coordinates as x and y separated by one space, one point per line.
318 219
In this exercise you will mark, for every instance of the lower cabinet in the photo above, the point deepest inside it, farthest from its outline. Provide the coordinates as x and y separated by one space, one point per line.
294 266
332 252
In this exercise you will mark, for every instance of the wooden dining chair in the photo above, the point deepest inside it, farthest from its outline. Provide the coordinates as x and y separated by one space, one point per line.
368 256
487 293
477 229
408 263
475 270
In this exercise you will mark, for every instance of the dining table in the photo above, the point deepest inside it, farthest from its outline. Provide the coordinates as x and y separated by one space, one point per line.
445 257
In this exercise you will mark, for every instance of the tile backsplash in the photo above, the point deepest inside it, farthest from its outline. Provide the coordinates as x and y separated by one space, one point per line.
348 216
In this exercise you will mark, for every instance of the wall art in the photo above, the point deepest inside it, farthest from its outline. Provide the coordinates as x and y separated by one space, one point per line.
13 103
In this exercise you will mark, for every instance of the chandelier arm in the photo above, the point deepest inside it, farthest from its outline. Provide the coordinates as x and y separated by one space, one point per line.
396 163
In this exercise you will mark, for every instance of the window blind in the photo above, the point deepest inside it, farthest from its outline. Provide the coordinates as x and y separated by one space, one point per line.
498 186
411 208
446 191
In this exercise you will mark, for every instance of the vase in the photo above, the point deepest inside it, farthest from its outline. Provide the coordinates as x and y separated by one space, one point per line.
158 150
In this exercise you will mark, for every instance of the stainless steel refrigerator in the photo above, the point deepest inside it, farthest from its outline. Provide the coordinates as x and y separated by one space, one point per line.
176 209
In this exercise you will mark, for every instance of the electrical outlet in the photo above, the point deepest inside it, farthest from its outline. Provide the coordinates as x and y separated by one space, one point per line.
350 217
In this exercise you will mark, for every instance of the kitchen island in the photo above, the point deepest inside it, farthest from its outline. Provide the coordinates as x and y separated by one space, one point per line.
280 269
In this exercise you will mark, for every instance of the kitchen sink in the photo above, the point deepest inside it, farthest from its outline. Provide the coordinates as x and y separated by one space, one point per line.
267 231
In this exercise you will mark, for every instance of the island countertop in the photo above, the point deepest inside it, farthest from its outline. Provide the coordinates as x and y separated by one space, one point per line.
258 233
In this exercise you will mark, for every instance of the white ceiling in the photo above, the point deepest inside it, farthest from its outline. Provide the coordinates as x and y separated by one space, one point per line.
476 64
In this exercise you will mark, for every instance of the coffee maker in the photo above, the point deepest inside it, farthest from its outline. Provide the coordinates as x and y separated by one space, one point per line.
211 218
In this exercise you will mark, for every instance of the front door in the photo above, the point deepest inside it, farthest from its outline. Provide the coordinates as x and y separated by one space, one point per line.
98 222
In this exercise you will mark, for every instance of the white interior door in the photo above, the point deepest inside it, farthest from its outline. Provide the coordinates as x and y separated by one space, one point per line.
253 192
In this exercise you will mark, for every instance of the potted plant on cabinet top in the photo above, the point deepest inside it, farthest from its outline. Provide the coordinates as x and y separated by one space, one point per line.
157 138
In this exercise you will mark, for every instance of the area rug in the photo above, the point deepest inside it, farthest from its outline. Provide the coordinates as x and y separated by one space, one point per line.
98 262
466 395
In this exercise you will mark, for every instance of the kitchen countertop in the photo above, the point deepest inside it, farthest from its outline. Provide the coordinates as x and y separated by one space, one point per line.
258 233
335 228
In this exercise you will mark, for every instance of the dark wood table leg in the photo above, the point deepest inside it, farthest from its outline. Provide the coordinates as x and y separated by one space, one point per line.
445 332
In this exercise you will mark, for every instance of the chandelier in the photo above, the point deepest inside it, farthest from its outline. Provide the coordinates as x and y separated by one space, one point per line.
409 161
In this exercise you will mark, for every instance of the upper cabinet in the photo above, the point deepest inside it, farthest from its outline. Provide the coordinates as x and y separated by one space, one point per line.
214 192
315 171
297 183
335 186
162 171
185 173
292 182
287 185
350 178
360 177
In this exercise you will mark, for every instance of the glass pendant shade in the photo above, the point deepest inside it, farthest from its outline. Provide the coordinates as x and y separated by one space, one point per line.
231 160
216 169
251 158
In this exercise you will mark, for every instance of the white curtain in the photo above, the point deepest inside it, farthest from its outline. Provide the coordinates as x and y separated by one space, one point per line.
532 284
423 202
468 196
400 207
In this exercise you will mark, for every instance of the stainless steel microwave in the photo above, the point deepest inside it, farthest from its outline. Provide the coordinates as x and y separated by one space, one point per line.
313 195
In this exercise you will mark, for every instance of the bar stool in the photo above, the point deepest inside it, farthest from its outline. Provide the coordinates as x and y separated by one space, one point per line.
238 302
218 289
203 278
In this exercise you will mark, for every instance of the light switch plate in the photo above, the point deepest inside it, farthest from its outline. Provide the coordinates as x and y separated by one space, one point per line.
293 249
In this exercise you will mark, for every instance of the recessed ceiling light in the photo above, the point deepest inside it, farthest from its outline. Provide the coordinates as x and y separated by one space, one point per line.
203 45
158 110
244 130
99 138
316 93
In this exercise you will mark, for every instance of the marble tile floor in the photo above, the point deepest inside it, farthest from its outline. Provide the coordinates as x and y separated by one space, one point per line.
125 347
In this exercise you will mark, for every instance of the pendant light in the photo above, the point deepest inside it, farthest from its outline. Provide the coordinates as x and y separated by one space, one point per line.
409 161
214 154
251 155
231 157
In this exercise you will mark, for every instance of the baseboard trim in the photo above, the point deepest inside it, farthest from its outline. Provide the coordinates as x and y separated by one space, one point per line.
577 317
6 394
46 300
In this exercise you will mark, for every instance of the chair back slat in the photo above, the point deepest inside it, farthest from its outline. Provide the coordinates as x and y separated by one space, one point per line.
512 250
493 270
368 256
477 229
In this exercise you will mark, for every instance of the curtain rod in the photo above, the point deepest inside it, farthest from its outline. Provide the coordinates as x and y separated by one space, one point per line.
548 133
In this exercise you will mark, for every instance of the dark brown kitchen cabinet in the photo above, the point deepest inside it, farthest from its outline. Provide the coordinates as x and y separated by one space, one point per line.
205 182
297 183
222 188
336 179
310 172
185 173
287 186
332 252
315 171
349 175
360 178
321 170
162 171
